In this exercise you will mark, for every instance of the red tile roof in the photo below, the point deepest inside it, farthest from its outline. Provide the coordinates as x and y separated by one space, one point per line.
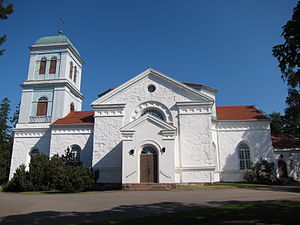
223 113
77 117
284 141
239 113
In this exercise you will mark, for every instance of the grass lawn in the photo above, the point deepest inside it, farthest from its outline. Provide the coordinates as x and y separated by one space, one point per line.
268 212
223 185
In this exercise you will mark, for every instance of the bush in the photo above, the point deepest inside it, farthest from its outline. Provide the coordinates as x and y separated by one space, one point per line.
20 181
47 174
259 173
76 179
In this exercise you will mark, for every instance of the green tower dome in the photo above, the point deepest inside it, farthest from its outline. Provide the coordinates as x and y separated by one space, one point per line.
60 39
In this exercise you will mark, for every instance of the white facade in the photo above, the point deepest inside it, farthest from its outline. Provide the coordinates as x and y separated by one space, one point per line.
177 121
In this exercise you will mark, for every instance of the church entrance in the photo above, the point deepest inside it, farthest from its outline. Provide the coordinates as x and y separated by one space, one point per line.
148 165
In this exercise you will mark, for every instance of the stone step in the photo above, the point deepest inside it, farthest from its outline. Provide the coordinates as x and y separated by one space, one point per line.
147 187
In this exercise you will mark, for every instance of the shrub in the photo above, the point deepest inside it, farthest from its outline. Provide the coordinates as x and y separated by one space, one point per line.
259 173
47 174
76 179
20 181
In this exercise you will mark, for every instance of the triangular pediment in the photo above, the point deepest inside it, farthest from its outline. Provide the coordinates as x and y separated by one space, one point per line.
158 77
147 118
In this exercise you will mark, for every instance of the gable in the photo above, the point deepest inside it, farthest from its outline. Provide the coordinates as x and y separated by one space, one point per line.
148 119
136 90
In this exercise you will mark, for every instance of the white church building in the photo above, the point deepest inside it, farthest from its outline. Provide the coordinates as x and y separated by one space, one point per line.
151 129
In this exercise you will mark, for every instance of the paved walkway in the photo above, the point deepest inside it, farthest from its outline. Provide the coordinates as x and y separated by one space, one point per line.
56 209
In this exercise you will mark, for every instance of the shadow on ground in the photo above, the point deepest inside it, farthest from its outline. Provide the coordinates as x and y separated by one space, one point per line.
120 212
281 188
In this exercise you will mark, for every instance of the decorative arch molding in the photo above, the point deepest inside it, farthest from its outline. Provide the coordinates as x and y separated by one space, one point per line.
139 147
152 104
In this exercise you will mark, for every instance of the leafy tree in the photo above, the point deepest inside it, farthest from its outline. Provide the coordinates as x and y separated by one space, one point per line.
277 124
288 56
259 173
5 10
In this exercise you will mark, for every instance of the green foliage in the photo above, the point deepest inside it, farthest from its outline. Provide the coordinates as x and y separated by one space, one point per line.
277 124
259 173
292 113
53 174
20 181
288 56
6 140
5 10
76 179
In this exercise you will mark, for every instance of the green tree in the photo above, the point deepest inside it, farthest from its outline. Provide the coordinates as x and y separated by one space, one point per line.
288 56
5 140
277 124
5 10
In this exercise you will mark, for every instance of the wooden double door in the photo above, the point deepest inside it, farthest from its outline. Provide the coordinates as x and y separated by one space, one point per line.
148 168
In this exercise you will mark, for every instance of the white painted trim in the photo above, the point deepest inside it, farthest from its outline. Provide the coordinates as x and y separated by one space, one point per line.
142 75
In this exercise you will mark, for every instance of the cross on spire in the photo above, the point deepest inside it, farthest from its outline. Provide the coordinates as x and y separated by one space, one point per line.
61 22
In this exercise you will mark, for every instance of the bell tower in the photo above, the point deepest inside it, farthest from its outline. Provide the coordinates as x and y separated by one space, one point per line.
52 88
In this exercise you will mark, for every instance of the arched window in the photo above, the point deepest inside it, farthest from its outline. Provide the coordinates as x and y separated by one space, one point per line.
244 155
34 152
154 112
72 107
75 154
52 69
148 150
71 70
75 73
43 63
42 106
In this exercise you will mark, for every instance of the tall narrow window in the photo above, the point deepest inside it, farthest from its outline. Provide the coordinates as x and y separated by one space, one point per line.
71 70
52 69
43 63
42 106
244 155
75 73
72 107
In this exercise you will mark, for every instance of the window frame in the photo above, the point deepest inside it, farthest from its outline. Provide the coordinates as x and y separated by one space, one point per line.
244 156
42 106
43 65
53 64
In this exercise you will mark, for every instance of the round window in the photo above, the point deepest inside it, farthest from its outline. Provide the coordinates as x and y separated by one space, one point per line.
151 88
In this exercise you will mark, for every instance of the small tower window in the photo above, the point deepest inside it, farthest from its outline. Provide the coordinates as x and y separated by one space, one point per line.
53 62
72 107
75 73
71 70
43 63
42 106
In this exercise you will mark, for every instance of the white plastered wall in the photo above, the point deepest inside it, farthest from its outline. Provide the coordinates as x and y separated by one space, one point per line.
64 136
256 134
25 139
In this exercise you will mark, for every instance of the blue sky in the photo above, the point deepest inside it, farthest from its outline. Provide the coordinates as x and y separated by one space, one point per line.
225 45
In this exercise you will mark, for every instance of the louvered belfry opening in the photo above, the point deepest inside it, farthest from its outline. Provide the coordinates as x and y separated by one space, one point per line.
42 106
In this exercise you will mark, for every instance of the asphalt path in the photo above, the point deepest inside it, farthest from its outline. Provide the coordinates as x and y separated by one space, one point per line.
55 209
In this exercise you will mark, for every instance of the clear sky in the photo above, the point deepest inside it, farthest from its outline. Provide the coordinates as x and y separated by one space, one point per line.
225 45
